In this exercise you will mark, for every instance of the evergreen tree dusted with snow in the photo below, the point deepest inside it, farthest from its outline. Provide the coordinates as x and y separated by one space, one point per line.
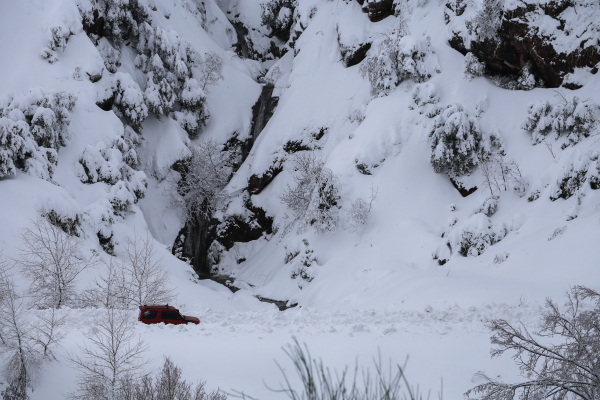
277 15
455 141
399 57
32 129
573 118
166 59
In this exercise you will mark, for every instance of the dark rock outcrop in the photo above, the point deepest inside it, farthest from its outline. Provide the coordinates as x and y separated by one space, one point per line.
263 110
378 9
464 192
354 55
193 242
520 42
198 234
242 229
257 183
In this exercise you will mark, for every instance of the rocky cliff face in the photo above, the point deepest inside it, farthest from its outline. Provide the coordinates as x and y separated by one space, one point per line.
531 33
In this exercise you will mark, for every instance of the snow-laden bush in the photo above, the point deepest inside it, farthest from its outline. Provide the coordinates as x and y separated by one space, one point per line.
32 129
570 180
473 236
194 112
526 80
574 119
396 59
472 67
315 198
301 261
59 36
360 211
119 20
455 142
277 15
115 166
426 97
99 217
129 100
109 54
488 207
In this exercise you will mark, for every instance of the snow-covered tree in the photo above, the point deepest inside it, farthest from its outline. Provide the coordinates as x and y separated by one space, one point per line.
110 355
143 278
193 105
116 166
488 19
205 172
121 18
277 15
455 142
52 260
129 100
315 198
26 342
397 58
564 368
473 236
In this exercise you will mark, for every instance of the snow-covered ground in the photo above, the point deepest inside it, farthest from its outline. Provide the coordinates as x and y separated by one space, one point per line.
376 289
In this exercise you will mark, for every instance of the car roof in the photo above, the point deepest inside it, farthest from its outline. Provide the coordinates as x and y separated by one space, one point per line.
158 307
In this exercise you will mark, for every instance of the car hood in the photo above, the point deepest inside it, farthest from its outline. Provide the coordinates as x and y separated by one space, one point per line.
192 319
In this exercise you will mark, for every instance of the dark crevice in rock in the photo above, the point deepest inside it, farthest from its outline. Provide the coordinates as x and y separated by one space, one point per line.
244 46
263 110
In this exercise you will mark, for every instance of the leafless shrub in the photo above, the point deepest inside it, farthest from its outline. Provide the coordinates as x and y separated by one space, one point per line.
167 385
499 175
560 369
109 290
314 199
318 382
26 342
52 260
204 175
211 70
143 279
360 210
109 358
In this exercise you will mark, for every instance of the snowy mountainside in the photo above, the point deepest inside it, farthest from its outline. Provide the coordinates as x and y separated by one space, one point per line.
402 188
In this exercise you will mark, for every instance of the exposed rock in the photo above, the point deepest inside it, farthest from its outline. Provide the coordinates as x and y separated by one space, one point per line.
263 110
464 192
353 55
236 228
244 46
378 9
193 242
520 40
257 183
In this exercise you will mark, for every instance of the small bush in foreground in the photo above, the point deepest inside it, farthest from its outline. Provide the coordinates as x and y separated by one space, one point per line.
318 382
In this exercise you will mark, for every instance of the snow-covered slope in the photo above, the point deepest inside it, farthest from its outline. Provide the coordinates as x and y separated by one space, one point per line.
403 281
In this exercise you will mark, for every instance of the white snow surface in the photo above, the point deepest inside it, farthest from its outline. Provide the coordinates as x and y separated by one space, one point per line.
376 289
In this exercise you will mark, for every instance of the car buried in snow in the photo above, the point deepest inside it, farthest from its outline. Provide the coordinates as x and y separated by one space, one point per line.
167 314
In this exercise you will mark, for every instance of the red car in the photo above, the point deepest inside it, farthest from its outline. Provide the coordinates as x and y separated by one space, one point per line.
167 314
